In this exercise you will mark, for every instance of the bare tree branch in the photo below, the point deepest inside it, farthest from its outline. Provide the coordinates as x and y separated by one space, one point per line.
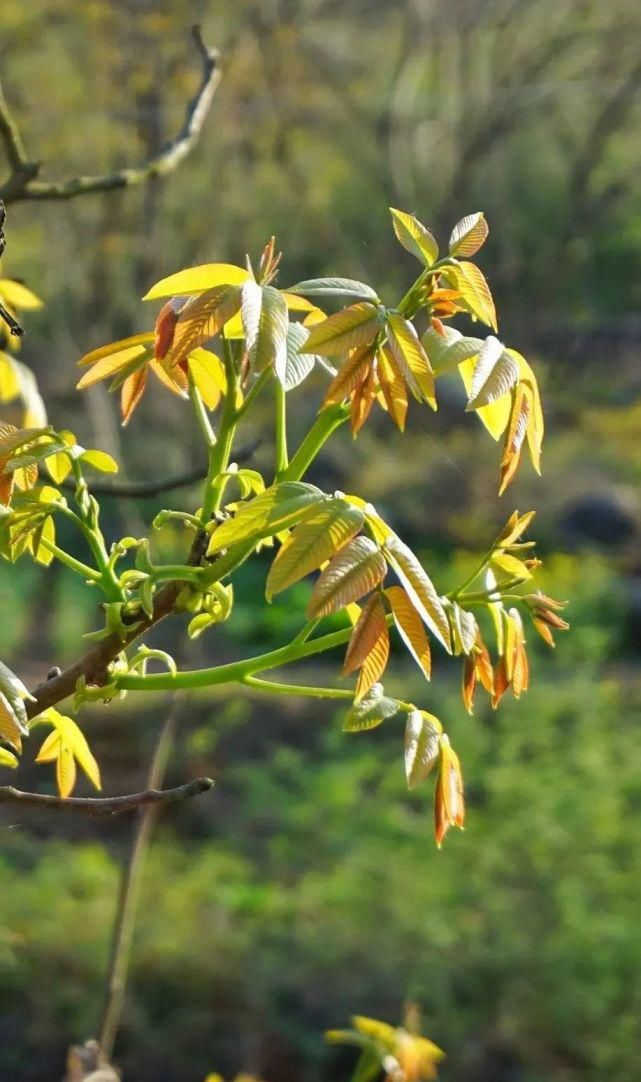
113 805
22 183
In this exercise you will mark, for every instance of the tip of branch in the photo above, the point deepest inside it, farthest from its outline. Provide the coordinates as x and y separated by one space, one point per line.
210 53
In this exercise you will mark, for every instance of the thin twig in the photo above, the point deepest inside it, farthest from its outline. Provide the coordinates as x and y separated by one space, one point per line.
113 805
143 490
22 183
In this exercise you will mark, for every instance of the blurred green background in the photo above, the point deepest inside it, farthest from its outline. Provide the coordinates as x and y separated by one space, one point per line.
307 886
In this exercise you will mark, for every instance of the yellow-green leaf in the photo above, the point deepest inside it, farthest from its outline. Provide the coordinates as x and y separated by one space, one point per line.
16 295
419 588
195 280
345 330
410 627
66 745
312 543
208 373
277 508
112 349
474 290
353 572
414 237
7 758
100 460
468 235
411 358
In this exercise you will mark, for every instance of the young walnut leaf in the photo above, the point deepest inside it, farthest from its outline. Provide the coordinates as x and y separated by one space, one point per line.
13 713
297 365
350 375
334 287
468 235
202 317
419 588
208 373
422 745
475 292
496 372
371 711
368 648
345 330
65 746
265 321
313 542
411 358
353 572
277 508
414 237
514 435
195 280
393 387
410 627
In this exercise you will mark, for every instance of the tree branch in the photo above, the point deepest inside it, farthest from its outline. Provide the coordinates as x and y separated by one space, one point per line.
114 805
144 490
22 183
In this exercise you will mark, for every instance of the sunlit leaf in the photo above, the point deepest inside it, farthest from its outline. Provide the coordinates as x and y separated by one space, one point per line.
334 287
368 648
132 391
474 290
414 237
196 280
353 572
495 373
265 320
419 588
313 542
345 330
422 745
7 758
100 460
66 745
411 358
277 508
298 365
468 235
350 375
371 711
16 295
114 349
410 627
202 317
392 386
515 434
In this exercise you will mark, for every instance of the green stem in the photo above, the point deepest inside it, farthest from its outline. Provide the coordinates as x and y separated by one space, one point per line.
235 671
253 393
229 421
282 458
70 561
273 687
328 421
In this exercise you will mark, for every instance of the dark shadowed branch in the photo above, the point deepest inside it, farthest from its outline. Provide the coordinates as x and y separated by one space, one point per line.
114 805
144 490
22 182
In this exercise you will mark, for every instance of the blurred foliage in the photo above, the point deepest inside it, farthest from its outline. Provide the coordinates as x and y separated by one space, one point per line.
307 890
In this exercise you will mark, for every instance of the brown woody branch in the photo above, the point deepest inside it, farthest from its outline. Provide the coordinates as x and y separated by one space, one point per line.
113 805
93 666
22 183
